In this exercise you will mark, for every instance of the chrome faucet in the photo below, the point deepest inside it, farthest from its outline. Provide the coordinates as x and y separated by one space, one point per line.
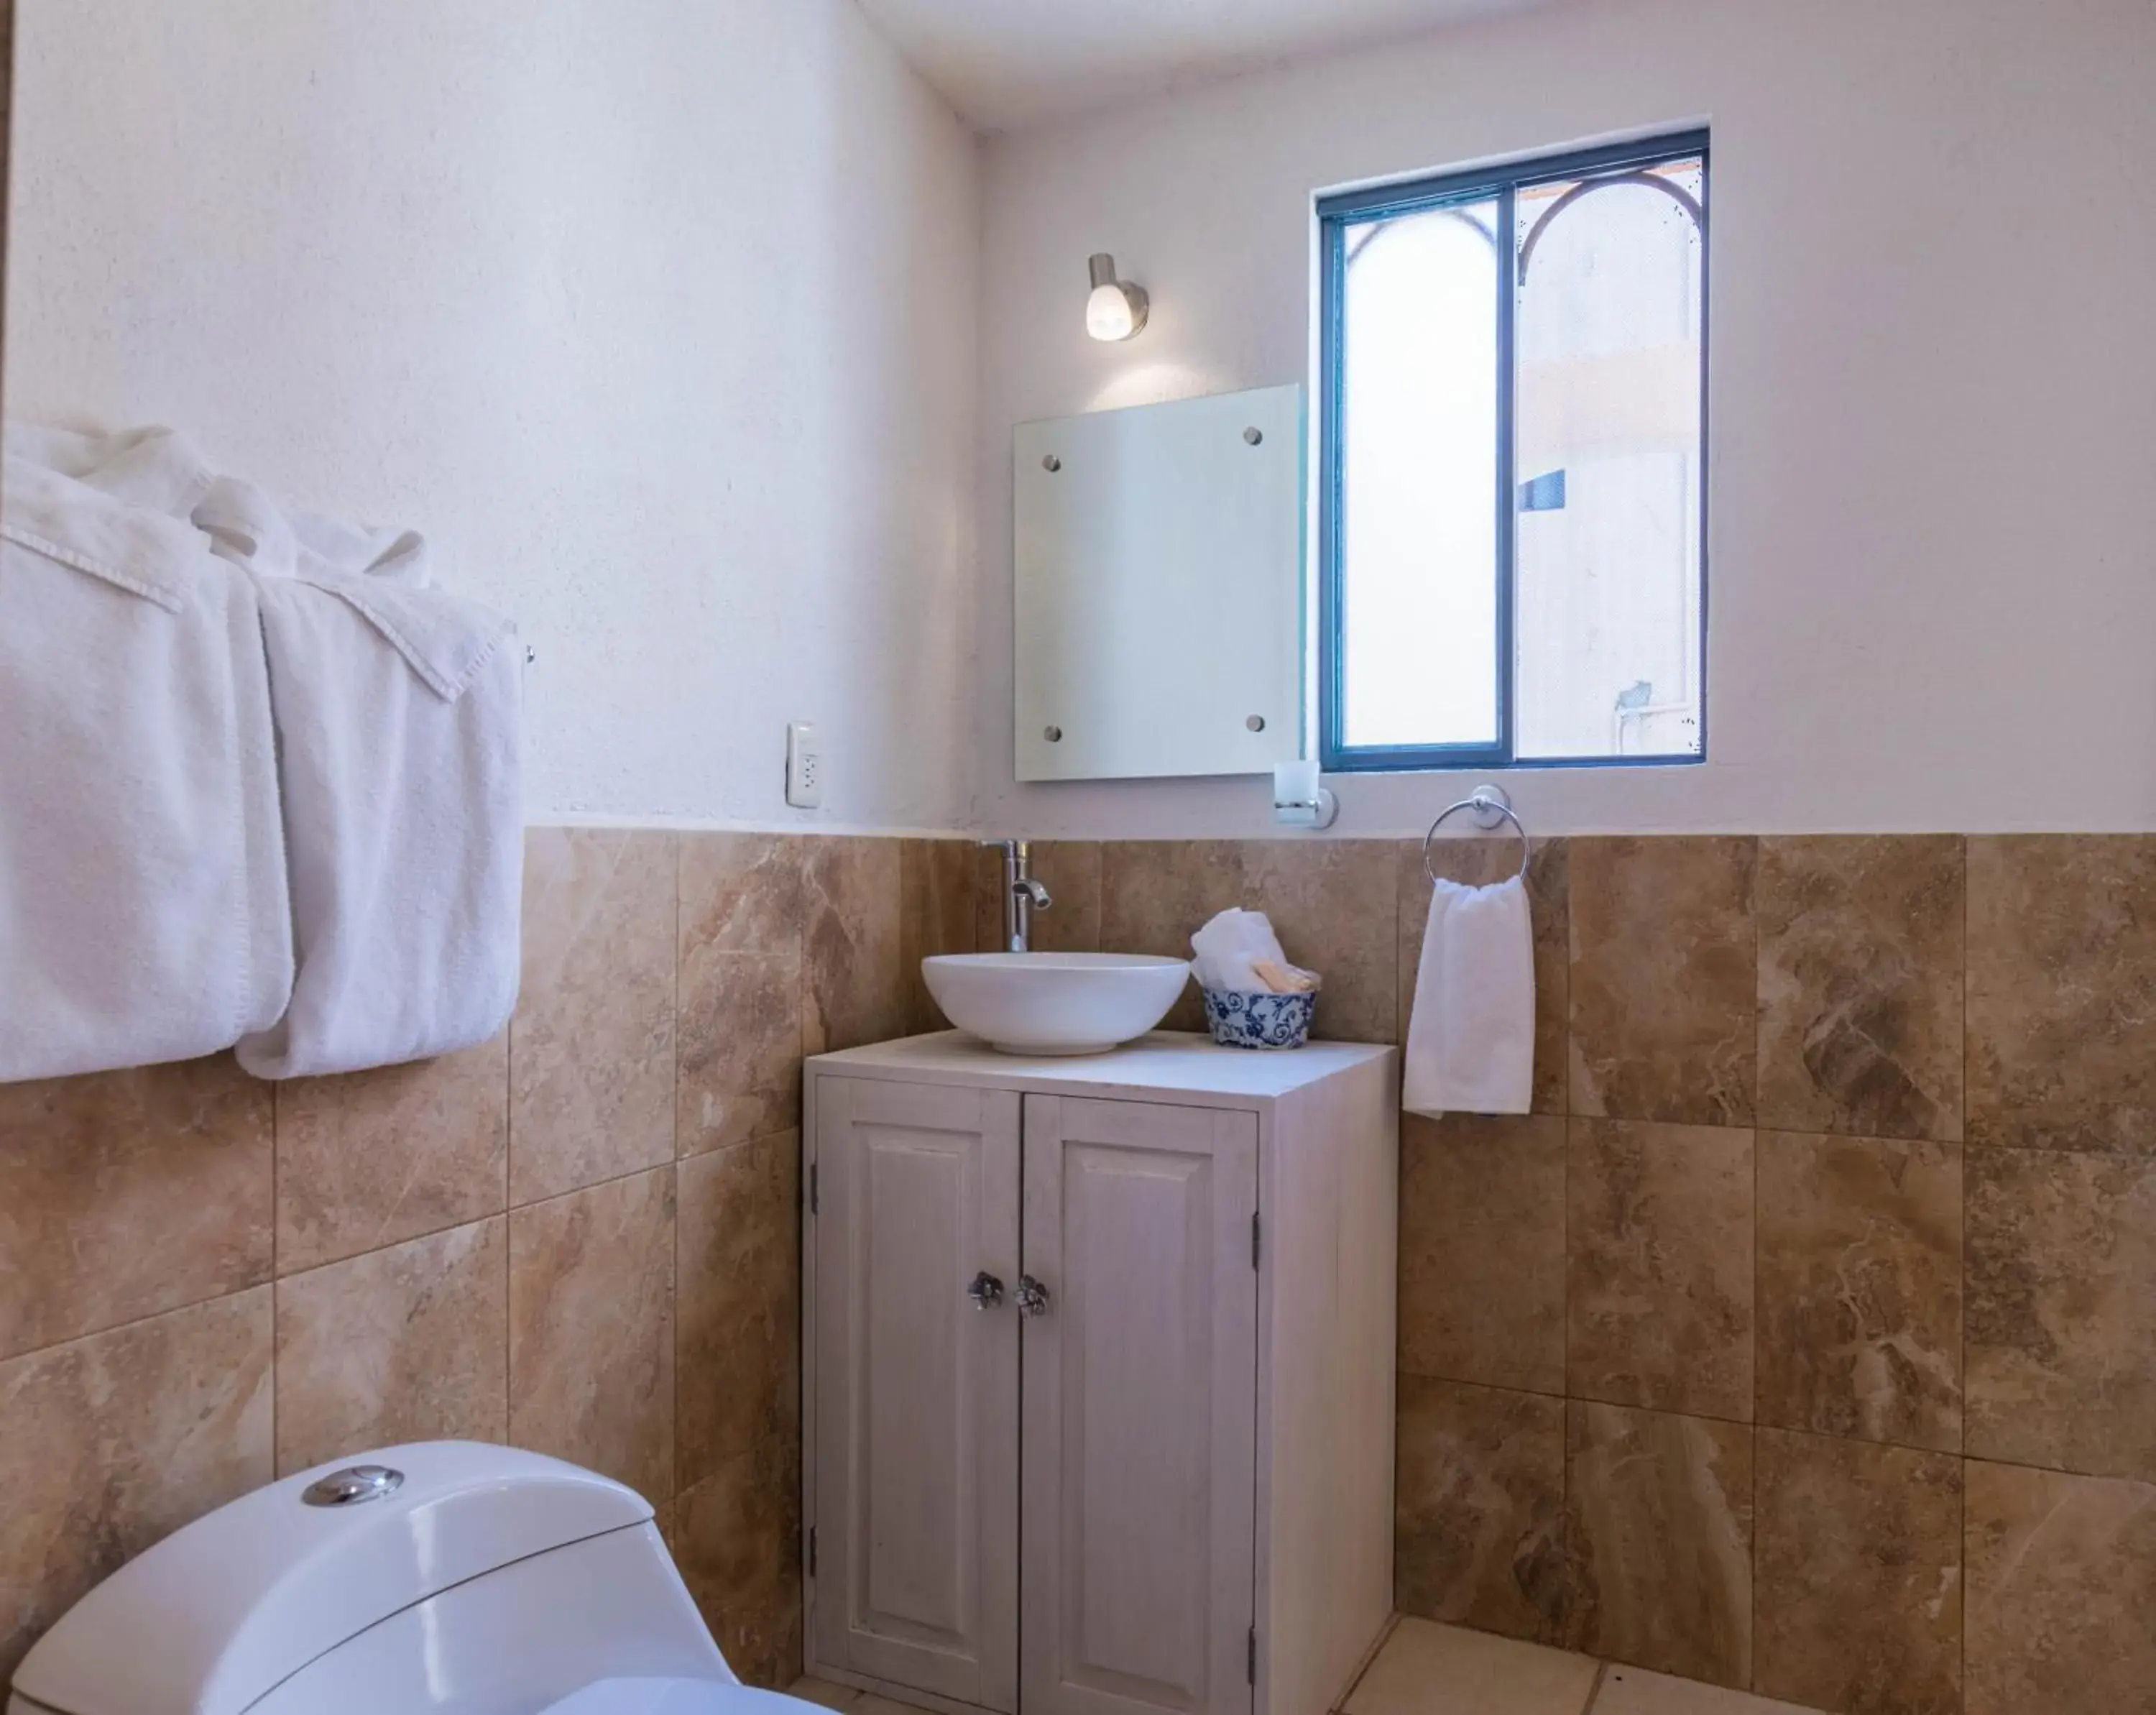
1022 895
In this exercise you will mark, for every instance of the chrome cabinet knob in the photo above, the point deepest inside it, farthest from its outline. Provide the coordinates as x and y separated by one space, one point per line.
1032 1296
987 1291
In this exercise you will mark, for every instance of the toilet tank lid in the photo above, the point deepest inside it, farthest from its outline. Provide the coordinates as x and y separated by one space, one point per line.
209 1619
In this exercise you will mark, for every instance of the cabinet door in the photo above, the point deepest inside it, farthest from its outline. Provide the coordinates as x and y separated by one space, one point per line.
916 1387
1139 1442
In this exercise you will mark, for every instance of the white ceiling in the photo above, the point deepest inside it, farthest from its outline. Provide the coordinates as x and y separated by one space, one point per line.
1004 64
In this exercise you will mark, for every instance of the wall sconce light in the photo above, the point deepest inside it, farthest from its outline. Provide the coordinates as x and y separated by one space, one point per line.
1117 310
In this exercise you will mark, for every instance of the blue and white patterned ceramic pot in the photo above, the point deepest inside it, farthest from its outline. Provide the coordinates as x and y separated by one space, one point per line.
1260 1020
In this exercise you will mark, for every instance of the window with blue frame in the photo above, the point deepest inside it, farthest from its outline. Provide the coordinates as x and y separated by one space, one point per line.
1513 513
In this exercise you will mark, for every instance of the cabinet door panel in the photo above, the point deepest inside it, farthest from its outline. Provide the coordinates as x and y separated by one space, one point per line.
917 1456
1139 1443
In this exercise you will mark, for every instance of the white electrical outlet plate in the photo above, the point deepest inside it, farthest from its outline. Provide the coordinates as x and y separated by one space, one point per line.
804 767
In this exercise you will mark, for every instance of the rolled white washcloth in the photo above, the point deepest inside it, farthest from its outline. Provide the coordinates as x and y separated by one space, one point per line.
1238 953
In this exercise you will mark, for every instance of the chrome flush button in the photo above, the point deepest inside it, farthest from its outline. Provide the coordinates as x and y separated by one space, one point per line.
353 1485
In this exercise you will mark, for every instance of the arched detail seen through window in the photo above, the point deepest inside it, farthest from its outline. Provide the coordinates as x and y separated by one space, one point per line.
1369 235
1652 181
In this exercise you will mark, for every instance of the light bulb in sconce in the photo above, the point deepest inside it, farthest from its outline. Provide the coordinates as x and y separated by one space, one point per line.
1117 309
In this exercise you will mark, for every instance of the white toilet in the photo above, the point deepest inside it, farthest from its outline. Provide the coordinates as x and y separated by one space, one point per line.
444 1575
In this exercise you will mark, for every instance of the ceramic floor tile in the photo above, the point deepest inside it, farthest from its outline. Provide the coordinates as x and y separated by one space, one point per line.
1634 1691
811 1689
1428 1669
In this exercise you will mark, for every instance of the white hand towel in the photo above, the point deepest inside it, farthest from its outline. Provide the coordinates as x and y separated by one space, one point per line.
399 764
144 914
1472 1036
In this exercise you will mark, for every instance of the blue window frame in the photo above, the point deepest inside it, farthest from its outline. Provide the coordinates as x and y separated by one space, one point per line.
1560 621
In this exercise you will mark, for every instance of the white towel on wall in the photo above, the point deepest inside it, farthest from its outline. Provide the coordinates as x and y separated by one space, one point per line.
399 761
144 915
1472 1036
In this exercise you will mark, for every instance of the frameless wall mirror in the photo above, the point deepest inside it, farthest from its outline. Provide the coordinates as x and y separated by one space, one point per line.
1159 592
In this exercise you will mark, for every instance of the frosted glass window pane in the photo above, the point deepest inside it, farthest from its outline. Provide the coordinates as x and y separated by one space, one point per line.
1607 424
1418 479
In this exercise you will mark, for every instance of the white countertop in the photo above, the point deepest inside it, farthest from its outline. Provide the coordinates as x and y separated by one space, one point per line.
1166 1062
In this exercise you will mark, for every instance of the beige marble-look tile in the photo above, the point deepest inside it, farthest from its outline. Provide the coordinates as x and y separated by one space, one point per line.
110 1443
1664 979
988 872
1332 904
1634 1691
1478 862
125 1193
590 1056
743 901
1859 1288
1659 1283
2060 1569
939 912
1155 894
2061 1320
854 981
1860 985
738 1368
1858 1569
590 1329
1428 1669
1071 870
740 1050
371 1159
409 1343
1481 1248
743 893
1660 1519
737 1538
1479 1508
2062 991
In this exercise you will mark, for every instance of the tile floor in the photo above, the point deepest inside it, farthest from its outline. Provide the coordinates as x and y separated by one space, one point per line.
1427 1669
845 1697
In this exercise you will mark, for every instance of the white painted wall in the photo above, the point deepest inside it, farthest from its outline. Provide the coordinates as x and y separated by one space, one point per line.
657 315
1933 535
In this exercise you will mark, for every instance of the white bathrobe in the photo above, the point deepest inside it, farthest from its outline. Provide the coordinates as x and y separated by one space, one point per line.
173 880
144 914
398 724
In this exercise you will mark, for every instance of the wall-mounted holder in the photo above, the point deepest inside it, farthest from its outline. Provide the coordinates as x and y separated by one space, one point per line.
1298 800
1489 808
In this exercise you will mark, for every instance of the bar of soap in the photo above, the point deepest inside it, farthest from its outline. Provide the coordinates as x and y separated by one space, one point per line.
1284 979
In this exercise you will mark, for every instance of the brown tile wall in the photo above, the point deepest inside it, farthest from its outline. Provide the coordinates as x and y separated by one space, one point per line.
1803 1339
582 1238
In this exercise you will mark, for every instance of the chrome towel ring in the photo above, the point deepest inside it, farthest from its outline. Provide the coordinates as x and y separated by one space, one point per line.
1487 801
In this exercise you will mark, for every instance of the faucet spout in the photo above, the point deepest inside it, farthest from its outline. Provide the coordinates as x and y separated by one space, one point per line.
1022 895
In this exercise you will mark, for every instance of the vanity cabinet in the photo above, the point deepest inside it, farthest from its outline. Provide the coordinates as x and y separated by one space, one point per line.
1098 1374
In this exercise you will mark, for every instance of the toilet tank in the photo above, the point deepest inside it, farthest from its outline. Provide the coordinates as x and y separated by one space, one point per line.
484 1578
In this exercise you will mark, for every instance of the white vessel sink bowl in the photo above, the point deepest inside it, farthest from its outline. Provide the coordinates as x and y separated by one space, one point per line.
1055 1003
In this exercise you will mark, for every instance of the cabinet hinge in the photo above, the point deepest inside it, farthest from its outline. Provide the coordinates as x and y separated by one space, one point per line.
811 1551
1257 1241
813 1199
1251 1664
